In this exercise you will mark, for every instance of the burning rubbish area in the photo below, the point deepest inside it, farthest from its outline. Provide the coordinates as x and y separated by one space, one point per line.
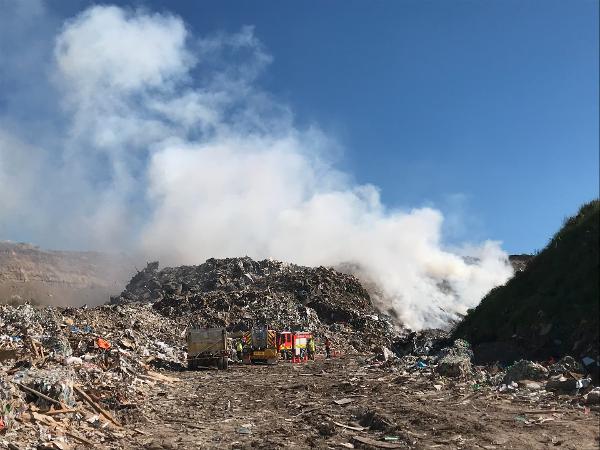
374 195
340 373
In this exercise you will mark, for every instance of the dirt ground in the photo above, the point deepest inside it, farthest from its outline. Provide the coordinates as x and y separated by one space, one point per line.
294 406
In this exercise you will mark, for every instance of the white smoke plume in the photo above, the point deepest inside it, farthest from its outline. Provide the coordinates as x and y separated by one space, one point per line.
163 144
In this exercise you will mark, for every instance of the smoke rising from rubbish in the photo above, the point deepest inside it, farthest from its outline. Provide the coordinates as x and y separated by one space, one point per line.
162 143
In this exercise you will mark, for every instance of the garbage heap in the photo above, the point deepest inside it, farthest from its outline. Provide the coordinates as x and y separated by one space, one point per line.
431 356
238 293
74 374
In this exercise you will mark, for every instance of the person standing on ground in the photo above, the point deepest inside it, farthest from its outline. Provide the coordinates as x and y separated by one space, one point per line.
239 349
327 348
311 348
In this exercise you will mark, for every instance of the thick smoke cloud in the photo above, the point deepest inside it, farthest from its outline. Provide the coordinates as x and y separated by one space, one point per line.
163 144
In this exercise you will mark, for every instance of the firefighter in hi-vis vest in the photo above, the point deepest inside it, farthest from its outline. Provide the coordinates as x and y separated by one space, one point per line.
311 348
239 348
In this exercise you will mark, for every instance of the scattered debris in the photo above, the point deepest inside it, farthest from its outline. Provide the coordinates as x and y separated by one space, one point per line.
592 397
525 370
422 343
565 365
377 444
455 361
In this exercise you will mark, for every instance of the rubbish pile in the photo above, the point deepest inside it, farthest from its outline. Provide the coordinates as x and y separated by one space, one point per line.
423 342
77 375
63 369
430 355
238 293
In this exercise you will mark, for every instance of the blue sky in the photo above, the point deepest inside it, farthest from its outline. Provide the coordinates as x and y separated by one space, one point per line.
496 101
487 110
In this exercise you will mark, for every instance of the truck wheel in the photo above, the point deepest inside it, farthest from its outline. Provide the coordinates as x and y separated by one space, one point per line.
220 363
225 363
272 361
192 364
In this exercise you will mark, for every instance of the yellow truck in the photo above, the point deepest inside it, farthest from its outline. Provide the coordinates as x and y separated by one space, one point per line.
207 347
261 345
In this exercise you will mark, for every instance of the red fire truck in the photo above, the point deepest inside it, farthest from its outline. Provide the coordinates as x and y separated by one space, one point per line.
264 345
293 345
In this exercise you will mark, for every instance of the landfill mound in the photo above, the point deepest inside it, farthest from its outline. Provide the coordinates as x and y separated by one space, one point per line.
238 293
551 307
112 377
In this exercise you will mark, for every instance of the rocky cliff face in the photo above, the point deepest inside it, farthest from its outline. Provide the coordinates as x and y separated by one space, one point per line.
60 277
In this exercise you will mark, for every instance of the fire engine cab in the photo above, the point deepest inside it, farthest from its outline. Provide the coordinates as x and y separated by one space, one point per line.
293 345
264 345
284 344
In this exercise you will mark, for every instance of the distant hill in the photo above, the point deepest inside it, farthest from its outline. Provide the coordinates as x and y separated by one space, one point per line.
60 277
550 308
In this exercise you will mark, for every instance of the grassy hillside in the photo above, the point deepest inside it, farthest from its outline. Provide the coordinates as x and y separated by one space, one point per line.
549 309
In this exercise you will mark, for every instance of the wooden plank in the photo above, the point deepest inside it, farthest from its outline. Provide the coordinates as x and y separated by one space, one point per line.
348 427
39 394
343 401
79 438
53 412
96 407
377 444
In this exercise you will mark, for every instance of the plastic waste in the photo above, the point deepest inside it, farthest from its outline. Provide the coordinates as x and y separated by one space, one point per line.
103 344
73 361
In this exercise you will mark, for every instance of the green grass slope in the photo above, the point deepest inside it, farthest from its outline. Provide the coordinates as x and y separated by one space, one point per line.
549 309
